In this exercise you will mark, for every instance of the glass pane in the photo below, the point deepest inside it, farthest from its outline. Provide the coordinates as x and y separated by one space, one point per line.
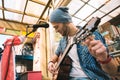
45 1
115 13
13 16
74 5
82 23
111 5
34 8
96 3
1 16
15 4
76 20
3 38
105 19
96 14
56 2
30 20
85 11
0 2
85 0
45 14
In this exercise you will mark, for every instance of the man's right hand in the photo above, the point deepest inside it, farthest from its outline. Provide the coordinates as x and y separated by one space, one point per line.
51 68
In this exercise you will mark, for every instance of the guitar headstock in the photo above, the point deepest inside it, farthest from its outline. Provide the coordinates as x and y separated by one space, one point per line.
87 30
92 24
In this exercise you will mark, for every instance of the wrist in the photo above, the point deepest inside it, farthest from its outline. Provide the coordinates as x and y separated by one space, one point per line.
105 61
50 62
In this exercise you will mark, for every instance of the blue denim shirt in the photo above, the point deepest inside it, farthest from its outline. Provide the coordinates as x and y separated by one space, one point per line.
88 63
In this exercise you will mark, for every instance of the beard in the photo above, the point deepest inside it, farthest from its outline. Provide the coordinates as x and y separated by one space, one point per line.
65 30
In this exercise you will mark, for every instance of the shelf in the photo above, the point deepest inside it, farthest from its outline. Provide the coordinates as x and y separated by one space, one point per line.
25 57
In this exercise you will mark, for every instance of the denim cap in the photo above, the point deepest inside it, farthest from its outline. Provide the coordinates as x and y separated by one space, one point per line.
60 15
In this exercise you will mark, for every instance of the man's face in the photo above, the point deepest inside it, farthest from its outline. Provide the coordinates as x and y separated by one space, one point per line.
61 28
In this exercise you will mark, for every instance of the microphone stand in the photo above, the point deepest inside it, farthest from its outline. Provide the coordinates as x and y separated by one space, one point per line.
27 33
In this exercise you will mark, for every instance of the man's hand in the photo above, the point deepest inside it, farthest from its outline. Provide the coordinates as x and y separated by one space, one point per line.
96 48
51 68
99 51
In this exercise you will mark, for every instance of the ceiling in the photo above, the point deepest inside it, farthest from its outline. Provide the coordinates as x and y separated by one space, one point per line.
34 11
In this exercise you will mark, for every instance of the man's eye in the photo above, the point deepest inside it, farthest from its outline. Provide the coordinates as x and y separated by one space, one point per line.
55 27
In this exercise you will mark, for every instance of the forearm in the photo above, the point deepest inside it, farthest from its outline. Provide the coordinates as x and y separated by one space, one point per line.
111 68
54 59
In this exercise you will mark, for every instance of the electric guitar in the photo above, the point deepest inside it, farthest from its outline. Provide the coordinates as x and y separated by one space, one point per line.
87 30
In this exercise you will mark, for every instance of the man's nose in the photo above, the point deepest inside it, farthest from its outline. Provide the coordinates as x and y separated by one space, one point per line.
57 31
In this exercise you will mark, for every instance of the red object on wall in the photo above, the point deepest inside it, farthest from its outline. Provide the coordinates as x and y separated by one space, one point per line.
8 58
31 75
2 29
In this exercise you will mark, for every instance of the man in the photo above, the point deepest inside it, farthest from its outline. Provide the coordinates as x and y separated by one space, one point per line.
90 62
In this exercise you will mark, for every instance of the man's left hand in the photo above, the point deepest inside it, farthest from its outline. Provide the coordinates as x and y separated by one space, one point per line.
96 48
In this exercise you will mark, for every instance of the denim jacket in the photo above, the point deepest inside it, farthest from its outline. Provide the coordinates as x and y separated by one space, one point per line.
88 63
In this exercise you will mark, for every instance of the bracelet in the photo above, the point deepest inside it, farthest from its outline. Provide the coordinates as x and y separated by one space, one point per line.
106 61
50 62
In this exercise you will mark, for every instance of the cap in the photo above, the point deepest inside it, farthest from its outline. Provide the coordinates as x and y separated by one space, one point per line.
60 15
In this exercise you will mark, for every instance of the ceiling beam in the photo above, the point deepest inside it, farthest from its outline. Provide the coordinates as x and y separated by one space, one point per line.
111 11
3 10
19 12
63 3
24 10
49 2
40 2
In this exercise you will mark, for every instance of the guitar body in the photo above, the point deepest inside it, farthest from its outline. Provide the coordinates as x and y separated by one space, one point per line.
64 69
